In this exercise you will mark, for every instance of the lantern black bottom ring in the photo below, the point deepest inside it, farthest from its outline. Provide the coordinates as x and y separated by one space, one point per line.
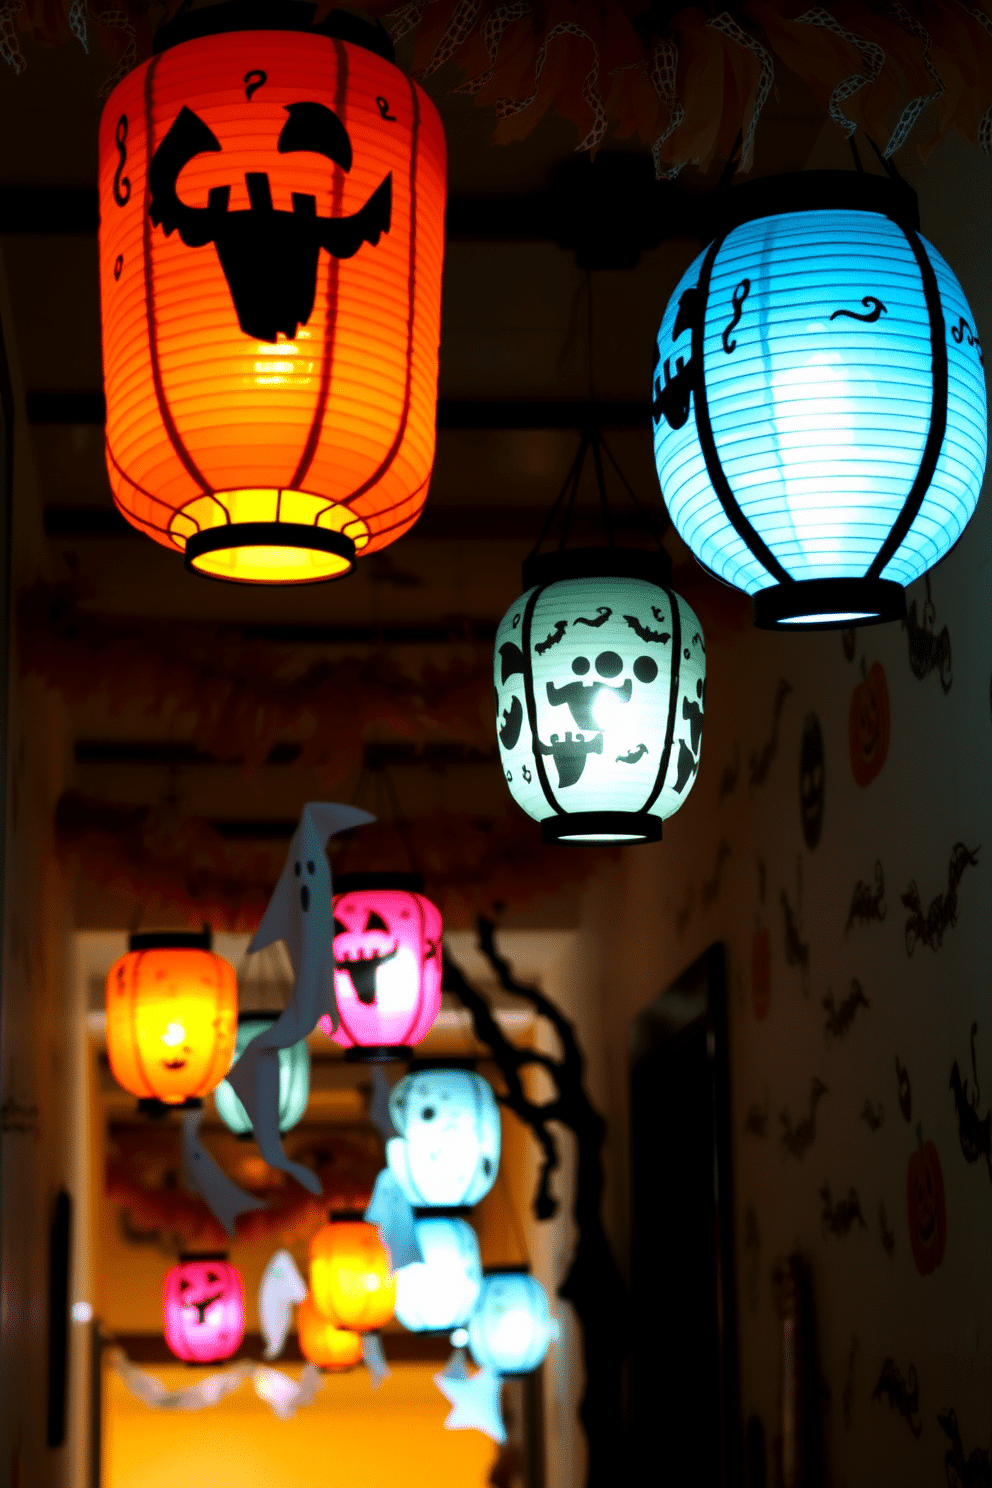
269 535
376 1053
598 828
828 604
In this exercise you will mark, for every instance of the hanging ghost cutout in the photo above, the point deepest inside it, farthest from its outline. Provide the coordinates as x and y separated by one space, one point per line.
203 1175
281 1288
205 1392
284 1394
299 913
391 1213
375 1359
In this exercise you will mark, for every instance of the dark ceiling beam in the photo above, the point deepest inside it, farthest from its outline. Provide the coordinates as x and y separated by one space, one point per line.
175 753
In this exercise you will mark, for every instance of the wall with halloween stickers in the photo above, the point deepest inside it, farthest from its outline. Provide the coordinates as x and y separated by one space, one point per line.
844 792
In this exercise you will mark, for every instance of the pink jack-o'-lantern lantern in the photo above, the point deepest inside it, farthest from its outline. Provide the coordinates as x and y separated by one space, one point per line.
203 1305
387 963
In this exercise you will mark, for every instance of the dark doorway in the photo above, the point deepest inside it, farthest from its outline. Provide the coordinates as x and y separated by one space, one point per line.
685 1385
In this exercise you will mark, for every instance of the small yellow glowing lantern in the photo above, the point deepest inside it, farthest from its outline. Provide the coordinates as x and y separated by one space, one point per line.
351 1281
325 1344
172 1017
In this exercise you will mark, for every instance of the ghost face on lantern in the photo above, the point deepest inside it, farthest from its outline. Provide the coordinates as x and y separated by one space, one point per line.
447 1152
600 692
440 1292
203 1308
387 967
512 1327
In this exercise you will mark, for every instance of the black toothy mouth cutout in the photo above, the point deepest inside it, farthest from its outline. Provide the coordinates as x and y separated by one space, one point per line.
363 970
581 698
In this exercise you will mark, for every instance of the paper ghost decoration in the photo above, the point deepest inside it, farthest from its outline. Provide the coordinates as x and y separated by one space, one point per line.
298 913
475 1401
375 1359
203 1175
281 1288
392 1215
150 1390
284 1394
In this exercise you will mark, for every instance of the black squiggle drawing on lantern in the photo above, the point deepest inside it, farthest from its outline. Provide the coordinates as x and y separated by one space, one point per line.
526 774
760 762
974 1131
963 330
905 1092
603 613
756 1120
871 303
928 651
581 698
840 1017
711 886
122 184
687 765
798 1139
848 1396
118 266
974 1471
659 637
872 1116
552 638
886 1232
731 775
382 104
269 257
254 80
868 903
837 1219
511 661
697 640
738 297
684 914
634 755
516 622
903 1395
692 713
513 719
570 755
671 402
796 949
942 911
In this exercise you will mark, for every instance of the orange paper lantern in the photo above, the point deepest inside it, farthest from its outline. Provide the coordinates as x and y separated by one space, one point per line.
350 1277
323 1342
271 243
172 1017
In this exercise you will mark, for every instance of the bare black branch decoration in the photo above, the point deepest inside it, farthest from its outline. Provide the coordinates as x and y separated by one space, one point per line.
593 1284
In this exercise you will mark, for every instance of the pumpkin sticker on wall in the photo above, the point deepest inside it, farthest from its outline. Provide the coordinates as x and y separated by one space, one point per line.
869 724
761 972
927 1210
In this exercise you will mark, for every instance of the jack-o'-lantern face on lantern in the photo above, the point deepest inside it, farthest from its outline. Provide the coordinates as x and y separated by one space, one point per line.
387 966
927 1210
868 725
204 1309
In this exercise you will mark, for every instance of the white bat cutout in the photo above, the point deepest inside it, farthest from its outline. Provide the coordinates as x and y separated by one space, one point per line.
299 913
281 1288
284 1394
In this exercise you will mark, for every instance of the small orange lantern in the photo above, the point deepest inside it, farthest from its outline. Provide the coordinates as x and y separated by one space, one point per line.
172 1017
351 1281
325 1344
271 243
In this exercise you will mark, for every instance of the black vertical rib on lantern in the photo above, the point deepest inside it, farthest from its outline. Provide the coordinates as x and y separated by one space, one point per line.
673 696
59 1251
542 773
938 409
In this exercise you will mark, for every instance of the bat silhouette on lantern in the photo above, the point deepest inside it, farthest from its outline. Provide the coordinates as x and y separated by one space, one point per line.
298 913
269 257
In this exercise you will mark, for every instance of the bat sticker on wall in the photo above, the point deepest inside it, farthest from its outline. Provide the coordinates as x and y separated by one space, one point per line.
756 1121
974 1131
799 1139
903 1395
731 775
887 1233
942 911
928 651
905 1091
796 949
868 903
872 1116
839 1019
711 886
760 762
848 1396
837 1219
974 1471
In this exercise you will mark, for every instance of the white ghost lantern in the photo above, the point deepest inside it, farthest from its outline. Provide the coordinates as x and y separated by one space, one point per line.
512 1327
447 1152
440 1293
600 673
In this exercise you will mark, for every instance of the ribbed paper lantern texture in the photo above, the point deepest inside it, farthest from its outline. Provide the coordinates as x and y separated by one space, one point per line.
203 1307
441 1292
294 1080
512 1327
387 968
325 1344
819 411
599 701
271 241
351 1281
172 1017
447 1152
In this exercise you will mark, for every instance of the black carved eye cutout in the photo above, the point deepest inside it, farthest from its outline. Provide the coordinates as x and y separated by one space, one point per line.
580 666
184 1285
339 929
296 869
375 922
212 1277
310 868
609 664
428 1113
645 669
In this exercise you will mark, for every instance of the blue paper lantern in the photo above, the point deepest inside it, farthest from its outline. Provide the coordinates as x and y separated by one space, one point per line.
294 1079
446 1154
819 401
512 1327
600 672
441 1292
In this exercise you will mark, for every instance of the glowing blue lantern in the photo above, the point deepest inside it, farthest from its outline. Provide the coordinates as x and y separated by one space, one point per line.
600 672
512 1327
294 1079
446 1155
819 401
441 1293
